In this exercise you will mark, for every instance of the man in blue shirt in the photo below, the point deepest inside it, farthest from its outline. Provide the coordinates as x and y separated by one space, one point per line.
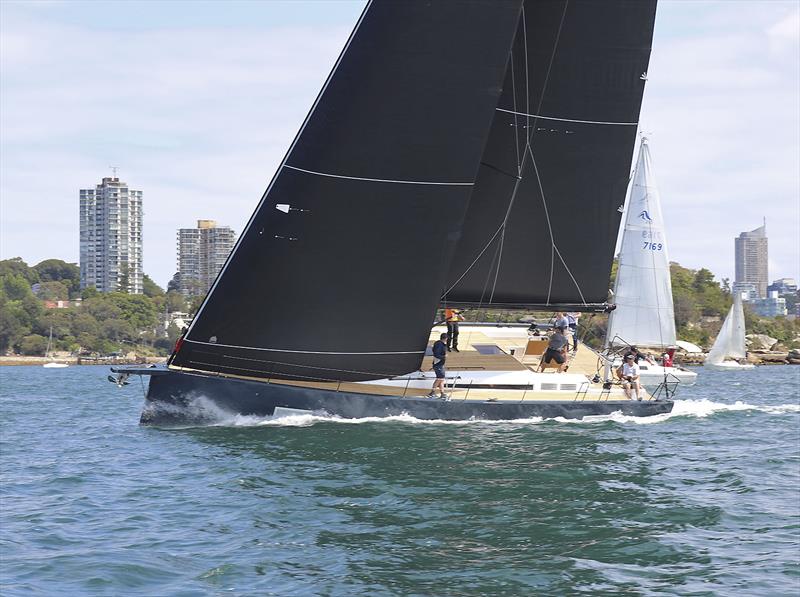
439 357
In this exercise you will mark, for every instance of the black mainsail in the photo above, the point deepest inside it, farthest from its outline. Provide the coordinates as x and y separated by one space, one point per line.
543 219
340 269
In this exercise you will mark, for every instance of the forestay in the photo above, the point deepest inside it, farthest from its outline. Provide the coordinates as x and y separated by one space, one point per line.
643 289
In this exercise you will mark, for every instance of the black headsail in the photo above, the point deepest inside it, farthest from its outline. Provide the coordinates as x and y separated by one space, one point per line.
339 271
543 219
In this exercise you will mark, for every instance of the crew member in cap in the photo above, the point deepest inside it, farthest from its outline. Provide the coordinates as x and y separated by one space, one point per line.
628 372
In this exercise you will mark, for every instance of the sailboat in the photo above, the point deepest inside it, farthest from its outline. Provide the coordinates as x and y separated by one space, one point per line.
730 345
645 315
52 364
460 154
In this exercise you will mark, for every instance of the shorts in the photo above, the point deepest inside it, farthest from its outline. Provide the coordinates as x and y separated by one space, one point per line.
438 368
556 355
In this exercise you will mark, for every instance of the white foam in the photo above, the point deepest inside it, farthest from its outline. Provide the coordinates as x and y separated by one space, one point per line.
203 409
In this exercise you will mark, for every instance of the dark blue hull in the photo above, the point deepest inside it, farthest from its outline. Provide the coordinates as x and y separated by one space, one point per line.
175 397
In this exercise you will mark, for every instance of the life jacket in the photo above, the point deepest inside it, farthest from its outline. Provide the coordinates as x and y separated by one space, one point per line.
451 315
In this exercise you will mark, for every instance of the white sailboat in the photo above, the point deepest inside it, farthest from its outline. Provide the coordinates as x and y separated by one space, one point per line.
729 344
52 364
643 290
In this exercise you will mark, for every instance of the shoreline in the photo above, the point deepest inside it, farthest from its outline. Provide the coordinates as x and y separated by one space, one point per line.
18 361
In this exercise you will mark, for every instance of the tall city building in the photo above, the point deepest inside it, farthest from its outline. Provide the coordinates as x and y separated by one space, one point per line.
751 259
202 252
111 237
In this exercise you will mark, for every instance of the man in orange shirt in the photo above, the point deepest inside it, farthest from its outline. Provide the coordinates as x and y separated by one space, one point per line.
452 317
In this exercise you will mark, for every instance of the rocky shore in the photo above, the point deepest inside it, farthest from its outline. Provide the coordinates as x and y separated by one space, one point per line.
761 350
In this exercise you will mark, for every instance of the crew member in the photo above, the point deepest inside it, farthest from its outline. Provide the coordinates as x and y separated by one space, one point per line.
557 350
628 372
439 357
452 317
572 319
637 356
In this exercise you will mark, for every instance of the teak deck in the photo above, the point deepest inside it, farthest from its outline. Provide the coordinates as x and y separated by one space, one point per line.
468 359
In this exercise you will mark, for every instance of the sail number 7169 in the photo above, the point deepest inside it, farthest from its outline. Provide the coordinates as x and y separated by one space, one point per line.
653 246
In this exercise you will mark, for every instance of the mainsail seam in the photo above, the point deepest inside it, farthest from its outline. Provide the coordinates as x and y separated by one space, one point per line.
426 182
301 351
567 119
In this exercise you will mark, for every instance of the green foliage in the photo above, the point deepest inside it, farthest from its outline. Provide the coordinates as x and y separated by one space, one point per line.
151 289
124 284
53 291
56 270
33 344
15 287
19 267
175 283
104 323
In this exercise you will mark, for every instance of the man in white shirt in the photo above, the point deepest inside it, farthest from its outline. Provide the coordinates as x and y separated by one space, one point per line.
629 374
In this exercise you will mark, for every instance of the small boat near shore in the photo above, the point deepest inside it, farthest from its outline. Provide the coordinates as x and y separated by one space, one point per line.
729 350
437 168
52 363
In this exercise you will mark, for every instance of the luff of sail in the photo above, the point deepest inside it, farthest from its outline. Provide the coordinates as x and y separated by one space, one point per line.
643 289
339 270
730 342
543 220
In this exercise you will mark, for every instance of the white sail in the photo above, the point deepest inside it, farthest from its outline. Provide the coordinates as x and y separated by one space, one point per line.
643 289
730 341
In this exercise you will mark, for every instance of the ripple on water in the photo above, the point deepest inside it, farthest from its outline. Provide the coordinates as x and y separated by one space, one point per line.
703 500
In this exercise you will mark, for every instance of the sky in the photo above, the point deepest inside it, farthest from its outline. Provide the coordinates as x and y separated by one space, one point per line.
196 103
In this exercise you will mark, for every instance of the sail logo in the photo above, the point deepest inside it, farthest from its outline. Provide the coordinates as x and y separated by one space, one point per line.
645 216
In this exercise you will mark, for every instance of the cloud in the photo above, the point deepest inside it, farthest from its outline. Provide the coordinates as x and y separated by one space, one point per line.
198 116
722 104
197 119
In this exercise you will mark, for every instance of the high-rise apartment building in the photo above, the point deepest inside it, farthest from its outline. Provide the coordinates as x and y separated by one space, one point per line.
111 237
202 252
751 259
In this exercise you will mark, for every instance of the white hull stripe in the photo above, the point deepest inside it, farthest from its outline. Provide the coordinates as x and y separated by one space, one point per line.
449 184
567 119
300 351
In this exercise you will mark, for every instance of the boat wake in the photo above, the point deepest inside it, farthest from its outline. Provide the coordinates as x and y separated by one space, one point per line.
202 411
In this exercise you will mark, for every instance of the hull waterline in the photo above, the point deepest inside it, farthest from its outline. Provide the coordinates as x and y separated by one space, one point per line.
175 397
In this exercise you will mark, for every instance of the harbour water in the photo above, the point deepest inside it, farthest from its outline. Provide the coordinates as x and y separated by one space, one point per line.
704 501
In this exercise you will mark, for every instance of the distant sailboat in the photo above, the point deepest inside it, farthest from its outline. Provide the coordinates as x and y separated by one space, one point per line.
730 344
52 364
643 290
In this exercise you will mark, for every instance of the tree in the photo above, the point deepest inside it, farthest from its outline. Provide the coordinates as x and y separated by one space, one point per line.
151 289
10 328
33 345
89 292
124 279
15 287
53 291
174 284
19 267
175 302
56 270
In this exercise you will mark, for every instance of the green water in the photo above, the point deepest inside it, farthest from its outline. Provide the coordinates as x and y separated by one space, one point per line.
701 502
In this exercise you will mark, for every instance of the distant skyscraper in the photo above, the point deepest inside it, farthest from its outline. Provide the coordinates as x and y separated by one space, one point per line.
111 237
202 252
751 259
